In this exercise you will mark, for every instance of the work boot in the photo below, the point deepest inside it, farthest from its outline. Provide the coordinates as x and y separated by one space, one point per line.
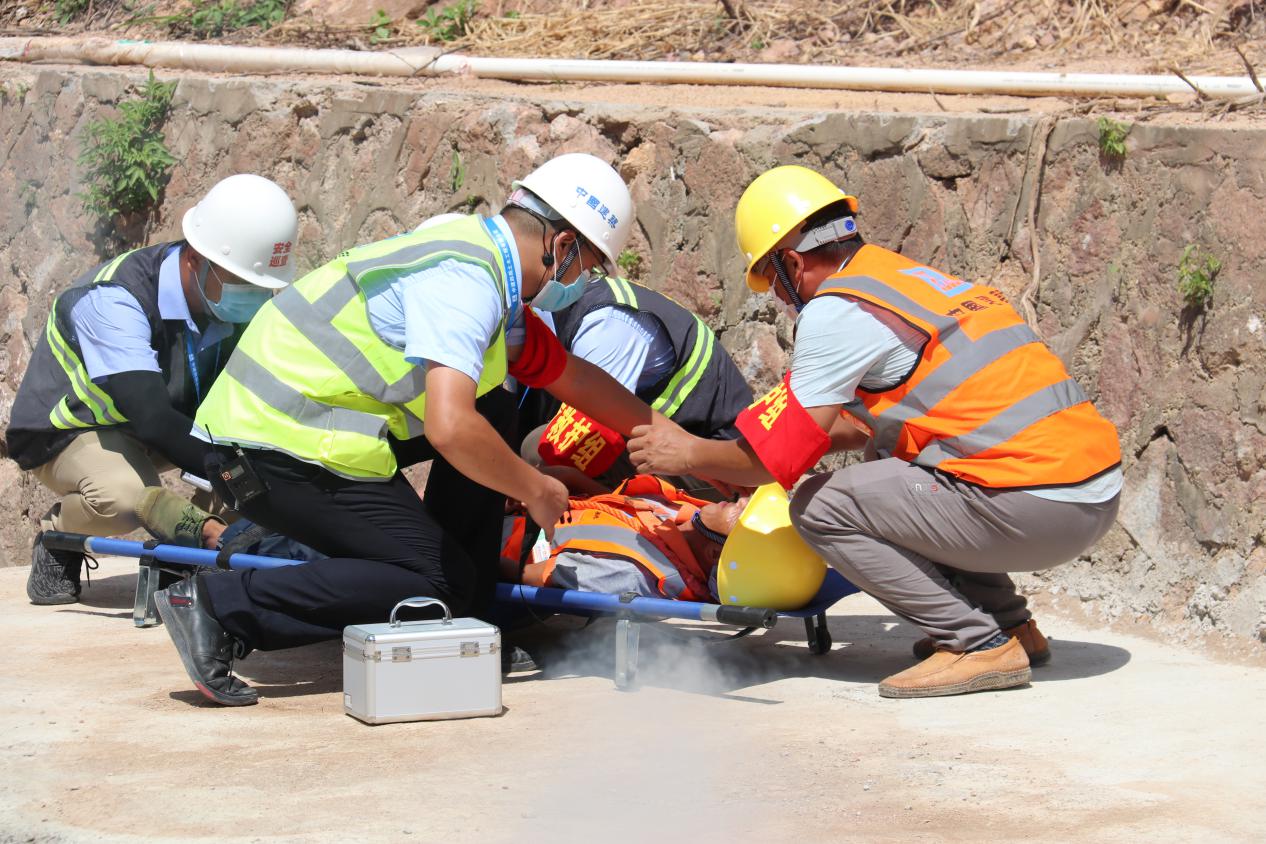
205 648
54 576
1035 644
949 673
514 659
171 518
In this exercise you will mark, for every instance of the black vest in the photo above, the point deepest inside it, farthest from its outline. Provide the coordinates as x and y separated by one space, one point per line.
49 396
703 393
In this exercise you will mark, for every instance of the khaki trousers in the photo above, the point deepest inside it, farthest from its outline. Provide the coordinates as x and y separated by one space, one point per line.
935 550
100 477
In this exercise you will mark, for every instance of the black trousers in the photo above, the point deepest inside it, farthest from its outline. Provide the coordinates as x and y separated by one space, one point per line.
384 545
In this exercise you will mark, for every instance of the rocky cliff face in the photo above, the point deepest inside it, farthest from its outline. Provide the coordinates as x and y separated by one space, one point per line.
984 197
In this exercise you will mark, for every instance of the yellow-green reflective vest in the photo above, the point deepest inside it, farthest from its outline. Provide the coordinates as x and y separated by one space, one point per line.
310 376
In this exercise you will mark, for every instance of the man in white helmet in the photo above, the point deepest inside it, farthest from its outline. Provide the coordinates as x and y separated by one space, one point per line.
129 351
392 354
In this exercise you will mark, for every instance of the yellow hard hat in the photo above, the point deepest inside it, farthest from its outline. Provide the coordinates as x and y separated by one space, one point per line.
764 562
776 203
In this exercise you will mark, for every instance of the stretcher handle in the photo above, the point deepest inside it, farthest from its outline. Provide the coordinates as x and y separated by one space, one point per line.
747 616
420 602
58 540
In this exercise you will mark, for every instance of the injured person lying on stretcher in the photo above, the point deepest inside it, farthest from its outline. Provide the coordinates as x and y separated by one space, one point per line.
646 538
652 540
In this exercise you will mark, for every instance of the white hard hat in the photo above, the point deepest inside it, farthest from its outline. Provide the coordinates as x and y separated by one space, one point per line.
439 220
590 196
247 225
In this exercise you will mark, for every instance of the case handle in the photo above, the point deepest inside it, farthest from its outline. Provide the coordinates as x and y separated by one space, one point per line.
420 602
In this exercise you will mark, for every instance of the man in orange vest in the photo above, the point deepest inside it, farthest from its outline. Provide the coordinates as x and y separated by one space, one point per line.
984 456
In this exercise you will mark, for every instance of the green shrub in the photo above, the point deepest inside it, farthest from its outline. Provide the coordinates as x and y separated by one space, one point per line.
1196 274
125 159
1112 138
451 23
457 172
631 263
212 18
68 10
13 91
380 26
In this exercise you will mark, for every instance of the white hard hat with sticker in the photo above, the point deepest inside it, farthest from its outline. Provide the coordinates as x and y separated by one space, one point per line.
247 225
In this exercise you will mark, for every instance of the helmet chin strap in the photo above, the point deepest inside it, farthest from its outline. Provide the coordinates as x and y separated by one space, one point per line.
780 270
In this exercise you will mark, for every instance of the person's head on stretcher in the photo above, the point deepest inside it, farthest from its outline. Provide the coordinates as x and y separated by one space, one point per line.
651 539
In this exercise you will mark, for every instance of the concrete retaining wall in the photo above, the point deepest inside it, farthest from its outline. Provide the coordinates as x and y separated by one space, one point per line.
1188 391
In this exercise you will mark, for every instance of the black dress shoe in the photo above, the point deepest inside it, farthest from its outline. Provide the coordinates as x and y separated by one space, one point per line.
54 576
205 648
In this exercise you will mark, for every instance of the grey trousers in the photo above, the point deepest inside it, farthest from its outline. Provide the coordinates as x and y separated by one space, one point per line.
936 551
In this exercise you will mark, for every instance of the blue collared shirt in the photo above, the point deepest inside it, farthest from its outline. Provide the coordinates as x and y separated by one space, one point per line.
114 333
446 313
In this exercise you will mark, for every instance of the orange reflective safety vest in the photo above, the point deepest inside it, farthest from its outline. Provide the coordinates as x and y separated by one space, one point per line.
639 523
987 401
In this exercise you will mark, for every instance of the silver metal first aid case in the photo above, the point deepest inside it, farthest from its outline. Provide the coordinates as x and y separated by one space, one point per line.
421 670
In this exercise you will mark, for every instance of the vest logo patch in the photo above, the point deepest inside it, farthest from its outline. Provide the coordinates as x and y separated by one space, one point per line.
946 285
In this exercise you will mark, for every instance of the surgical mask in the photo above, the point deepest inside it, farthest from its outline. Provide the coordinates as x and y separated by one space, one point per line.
238 302
555 296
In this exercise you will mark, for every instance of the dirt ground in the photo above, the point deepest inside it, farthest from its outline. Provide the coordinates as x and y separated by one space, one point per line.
1119 739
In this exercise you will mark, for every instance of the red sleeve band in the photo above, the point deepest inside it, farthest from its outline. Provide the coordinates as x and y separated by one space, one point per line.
543 358
784 436
574 439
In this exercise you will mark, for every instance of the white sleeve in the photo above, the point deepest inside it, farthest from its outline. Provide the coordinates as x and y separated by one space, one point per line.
612 342
114 334
450 313
837 343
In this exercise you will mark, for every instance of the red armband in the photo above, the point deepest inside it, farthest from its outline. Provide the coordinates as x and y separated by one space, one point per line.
573 439
786 439
543 358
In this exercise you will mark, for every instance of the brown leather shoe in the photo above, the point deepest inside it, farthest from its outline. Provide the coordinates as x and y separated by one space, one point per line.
1035 644
949 673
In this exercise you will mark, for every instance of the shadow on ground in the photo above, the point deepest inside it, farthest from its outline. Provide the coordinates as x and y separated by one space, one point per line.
687 657
702 660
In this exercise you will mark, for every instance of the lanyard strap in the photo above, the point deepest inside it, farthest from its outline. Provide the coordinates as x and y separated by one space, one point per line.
507 259
192 357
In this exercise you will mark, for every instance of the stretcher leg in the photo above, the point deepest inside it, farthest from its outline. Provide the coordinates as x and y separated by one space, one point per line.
627 632
144 613
818 633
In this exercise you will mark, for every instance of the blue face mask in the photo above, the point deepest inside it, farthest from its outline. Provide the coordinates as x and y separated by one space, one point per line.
555 296
238 302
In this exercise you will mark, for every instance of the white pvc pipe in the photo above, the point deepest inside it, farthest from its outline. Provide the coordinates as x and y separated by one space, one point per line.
427 61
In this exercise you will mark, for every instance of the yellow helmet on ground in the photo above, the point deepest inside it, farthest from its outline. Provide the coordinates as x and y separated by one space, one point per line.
764 562
773 206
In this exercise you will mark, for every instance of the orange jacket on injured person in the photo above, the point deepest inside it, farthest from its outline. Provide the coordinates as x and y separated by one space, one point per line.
651 539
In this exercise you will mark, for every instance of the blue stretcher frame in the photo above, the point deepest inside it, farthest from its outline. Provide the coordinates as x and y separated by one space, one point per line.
629 609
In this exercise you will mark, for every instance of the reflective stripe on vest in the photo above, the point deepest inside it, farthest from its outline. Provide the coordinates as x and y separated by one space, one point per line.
95 407
684 380
939 417
626 543
623 292
314 322
312 378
